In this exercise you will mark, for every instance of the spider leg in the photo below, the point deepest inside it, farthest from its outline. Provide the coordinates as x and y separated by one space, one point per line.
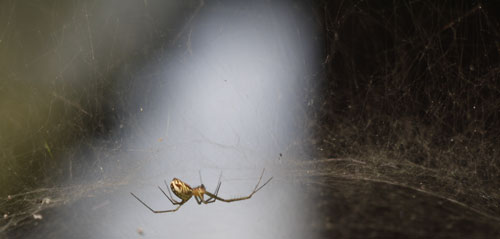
198 199
172 200
257 188
205 202
212 199
155 211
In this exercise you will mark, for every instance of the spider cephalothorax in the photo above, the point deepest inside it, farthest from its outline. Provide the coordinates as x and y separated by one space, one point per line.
185 192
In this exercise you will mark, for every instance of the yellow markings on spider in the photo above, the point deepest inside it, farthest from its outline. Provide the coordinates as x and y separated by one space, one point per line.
185 192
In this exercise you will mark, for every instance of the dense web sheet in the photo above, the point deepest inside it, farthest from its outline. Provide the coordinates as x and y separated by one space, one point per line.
414 108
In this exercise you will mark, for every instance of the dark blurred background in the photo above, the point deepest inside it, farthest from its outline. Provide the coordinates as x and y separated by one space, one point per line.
408 112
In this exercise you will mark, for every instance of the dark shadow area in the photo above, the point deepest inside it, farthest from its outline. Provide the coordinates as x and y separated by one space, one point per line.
406 119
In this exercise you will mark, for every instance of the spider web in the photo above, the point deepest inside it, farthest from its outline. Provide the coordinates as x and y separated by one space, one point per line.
412 112
375 118
105 98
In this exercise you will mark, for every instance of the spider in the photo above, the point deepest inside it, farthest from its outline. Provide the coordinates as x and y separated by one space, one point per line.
185 192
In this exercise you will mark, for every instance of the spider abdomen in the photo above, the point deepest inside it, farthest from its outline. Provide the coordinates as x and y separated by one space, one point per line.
181 189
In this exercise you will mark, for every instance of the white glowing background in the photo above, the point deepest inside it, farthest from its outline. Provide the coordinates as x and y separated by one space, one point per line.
230 99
